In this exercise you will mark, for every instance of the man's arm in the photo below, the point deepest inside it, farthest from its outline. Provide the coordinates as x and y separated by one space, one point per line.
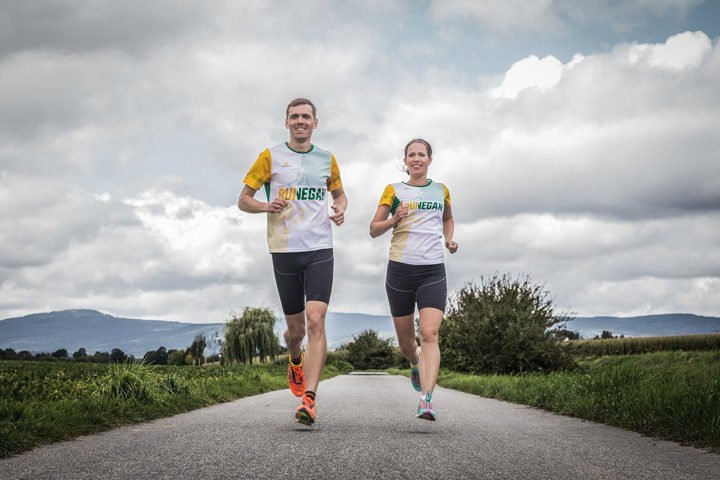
340 203
247 203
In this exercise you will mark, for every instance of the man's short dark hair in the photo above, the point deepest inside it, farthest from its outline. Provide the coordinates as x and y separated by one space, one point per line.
300 101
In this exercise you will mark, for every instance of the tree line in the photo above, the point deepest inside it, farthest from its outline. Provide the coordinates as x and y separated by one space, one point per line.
193 355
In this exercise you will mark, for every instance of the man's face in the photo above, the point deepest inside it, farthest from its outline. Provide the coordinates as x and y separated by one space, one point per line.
301 122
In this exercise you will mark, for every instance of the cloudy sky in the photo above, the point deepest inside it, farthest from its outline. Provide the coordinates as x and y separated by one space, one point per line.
580 142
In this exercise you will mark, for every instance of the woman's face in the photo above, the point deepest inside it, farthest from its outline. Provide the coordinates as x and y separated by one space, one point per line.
417 160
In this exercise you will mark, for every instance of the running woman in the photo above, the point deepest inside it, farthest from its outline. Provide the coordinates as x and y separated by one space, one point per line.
297 176
420 217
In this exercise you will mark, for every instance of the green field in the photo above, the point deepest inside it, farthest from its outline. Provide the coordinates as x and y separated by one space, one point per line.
669 395
630 346
43 402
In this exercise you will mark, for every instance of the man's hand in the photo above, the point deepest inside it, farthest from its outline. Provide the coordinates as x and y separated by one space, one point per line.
339 216
277 205
451 245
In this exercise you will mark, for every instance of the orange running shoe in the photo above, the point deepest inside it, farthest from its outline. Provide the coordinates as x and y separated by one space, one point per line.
296 377
305 413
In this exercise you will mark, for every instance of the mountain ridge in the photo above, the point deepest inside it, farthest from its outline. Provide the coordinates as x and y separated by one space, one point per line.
98 331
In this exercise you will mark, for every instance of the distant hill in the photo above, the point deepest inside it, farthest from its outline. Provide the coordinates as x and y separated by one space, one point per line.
646 325
96 331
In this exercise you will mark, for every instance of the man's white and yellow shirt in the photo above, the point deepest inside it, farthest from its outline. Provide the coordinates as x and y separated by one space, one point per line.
418 238
303 179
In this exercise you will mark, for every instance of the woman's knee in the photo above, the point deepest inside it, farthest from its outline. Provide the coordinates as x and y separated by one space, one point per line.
428 335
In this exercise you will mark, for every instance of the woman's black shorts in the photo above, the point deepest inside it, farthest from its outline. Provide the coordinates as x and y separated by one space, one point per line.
407 284
303 276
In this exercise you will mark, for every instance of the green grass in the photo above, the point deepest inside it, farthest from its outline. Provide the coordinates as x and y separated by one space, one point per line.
670 395
43 402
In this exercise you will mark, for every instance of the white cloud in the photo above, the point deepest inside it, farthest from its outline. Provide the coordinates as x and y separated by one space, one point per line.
528 73
121 159
684 50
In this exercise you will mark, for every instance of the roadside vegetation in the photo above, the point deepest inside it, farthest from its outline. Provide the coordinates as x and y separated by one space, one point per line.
58 398
502 339
43 402
669 395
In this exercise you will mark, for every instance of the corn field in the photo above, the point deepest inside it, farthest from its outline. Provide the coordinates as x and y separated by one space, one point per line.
628 346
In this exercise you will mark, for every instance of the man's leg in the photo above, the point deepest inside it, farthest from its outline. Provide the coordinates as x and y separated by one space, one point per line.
318 287
293 339
295 333
315 351
316 348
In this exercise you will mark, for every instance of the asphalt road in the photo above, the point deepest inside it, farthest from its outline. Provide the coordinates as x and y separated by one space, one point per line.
366 429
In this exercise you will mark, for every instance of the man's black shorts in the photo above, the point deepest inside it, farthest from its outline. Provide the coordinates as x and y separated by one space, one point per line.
407 284
303 276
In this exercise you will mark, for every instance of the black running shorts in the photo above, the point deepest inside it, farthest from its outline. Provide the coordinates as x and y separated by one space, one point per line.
303 276
407 284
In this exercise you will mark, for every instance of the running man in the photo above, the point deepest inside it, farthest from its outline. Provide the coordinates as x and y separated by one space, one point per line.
421 217
297 176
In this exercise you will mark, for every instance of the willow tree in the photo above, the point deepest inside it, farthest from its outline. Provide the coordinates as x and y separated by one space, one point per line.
197 349
251 335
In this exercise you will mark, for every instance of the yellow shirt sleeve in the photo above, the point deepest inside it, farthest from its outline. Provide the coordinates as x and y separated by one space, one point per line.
334 181
447 194
388 196
260 172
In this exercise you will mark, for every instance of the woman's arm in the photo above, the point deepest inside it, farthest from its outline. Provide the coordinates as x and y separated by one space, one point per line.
449 229
381 223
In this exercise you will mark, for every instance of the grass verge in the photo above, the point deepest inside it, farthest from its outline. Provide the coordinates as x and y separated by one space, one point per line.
669 395
46 402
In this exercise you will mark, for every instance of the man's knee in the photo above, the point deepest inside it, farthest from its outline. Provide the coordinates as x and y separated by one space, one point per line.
295 335
315 323
295 327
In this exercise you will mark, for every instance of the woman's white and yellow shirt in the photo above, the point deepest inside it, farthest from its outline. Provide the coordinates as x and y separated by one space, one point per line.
418 238
303 179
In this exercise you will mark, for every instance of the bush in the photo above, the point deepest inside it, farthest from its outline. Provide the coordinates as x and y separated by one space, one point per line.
338 360
368 351
502 326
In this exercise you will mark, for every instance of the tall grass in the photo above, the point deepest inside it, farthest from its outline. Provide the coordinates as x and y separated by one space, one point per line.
44 402
672 395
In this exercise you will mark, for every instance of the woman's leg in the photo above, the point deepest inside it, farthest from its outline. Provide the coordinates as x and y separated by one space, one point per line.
430 320
405 331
